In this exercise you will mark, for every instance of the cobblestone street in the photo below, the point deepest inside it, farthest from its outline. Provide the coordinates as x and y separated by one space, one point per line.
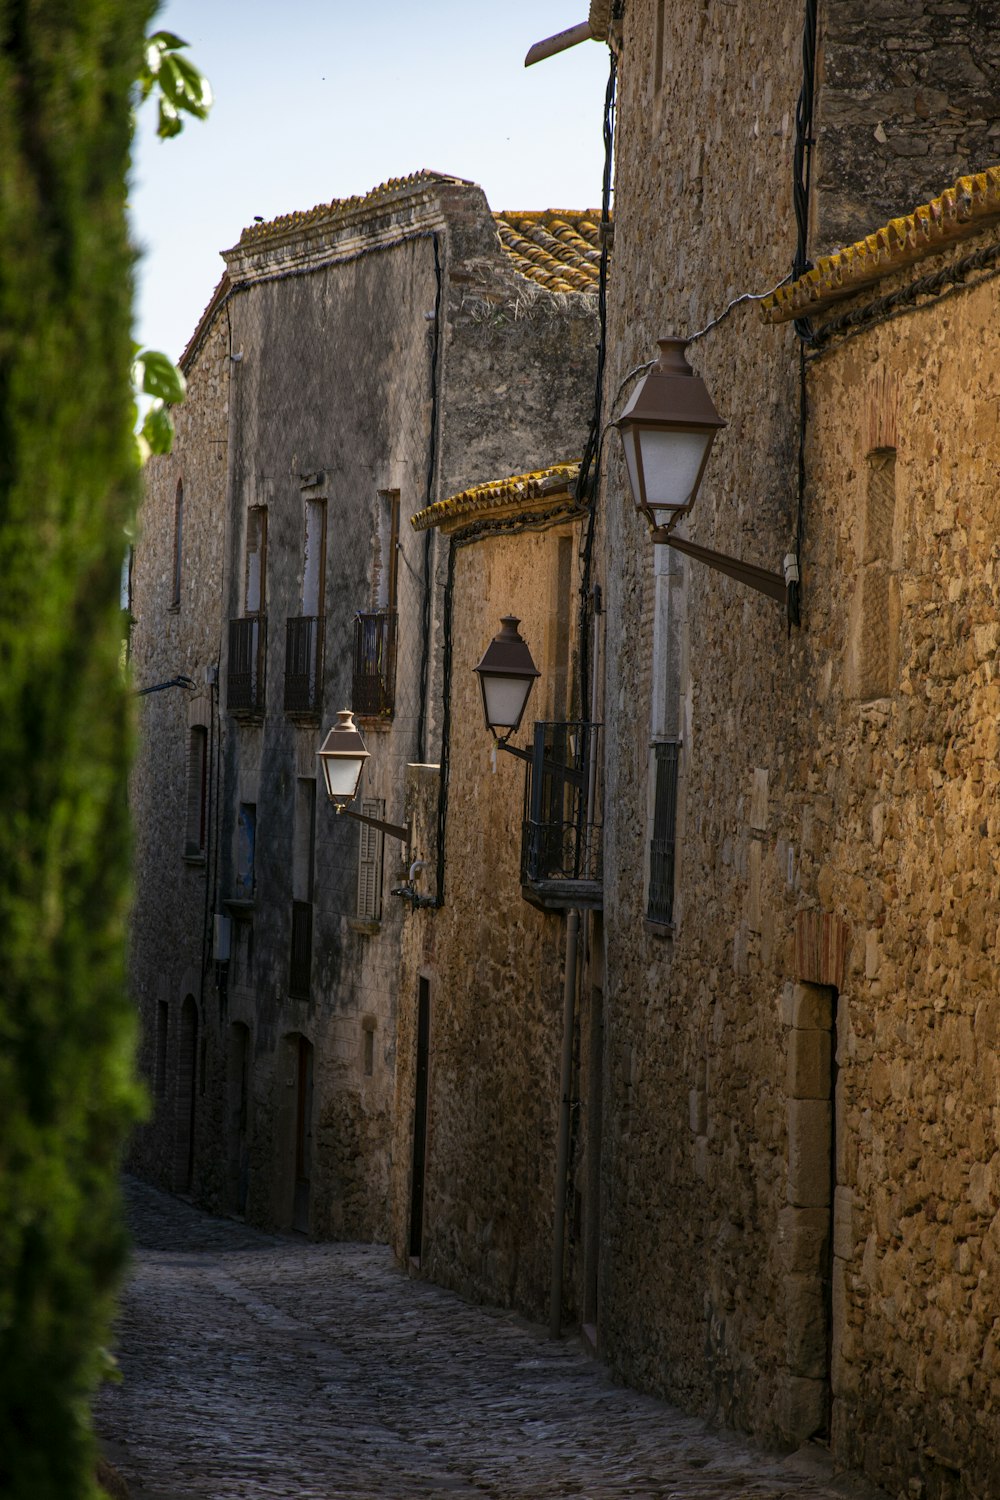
272 1368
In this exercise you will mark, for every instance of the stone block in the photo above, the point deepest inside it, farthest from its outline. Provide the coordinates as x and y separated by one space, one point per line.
758 800
812 1007
808 1073
843 1223
805 1326
802 1409
803 1235
809 1152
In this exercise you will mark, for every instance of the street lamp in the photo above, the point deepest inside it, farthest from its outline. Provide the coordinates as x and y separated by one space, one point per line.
342 757
506 677
667 431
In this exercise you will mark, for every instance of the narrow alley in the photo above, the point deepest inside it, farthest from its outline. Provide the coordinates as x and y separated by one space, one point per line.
272 1368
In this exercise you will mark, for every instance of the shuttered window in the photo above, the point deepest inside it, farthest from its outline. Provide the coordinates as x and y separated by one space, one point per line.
197 785
370 862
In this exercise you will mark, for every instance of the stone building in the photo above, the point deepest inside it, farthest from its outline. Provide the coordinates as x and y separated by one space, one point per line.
799 1195
356 363
489 967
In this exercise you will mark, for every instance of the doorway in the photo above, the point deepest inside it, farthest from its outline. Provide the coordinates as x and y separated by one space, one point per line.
187 1093
303 1135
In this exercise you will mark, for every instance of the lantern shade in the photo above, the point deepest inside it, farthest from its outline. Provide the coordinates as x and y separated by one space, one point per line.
342 756
667 430
506 675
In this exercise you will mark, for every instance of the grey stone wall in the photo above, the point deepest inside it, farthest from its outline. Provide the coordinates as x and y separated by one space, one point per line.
909 100
357 358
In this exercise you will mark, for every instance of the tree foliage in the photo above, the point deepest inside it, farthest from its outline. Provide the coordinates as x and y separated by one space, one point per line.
67 489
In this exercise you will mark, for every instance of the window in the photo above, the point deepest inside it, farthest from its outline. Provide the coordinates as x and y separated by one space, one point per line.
370 862
246 839
304 632
162 1018
196 826
256 560
175 596
303 852
373 688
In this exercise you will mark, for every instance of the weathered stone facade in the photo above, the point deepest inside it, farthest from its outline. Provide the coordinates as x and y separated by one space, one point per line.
357 362
798 1114
486 967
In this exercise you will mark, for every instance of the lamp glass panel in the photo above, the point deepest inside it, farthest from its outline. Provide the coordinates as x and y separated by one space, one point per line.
342 776
671 463
505 698
629 436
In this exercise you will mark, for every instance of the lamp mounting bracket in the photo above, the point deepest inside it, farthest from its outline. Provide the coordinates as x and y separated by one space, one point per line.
772 584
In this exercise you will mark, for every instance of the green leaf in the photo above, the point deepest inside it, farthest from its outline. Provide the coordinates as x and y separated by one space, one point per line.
156 375
158 428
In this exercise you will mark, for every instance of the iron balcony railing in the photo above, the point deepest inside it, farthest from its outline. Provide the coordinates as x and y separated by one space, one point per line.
373 693
661 846
247 652
300 958
562 839
304 665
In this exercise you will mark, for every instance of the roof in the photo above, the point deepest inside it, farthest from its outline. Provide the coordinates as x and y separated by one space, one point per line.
558 248
345 208
962 210
516 495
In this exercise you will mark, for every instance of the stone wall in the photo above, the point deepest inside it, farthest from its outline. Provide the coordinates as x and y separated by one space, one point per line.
902 641
170 954
692 1280
493 963
909 100
765 1121
369 348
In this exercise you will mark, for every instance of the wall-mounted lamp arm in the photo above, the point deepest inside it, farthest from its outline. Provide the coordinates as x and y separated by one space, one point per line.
568 773
772 584
405 835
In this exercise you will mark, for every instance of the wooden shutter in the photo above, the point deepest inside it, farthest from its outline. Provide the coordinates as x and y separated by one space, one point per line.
370 862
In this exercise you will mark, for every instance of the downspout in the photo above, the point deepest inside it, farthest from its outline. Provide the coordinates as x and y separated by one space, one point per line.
562 1153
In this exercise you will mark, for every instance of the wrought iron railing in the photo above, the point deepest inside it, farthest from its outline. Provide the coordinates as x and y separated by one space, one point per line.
660 907
304 665
373 692
247 651
300 958
562 839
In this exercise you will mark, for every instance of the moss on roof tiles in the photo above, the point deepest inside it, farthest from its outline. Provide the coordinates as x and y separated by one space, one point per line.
970 205
520 491
557 248
343 207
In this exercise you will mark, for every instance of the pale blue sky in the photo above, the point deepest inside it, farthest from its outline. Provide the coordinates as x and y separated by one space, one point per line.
321 99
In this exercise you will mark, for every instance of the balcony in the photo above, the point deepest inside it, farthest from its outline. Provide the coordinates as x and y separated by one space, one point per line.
373 691
561 848
304 666
300 958
247 655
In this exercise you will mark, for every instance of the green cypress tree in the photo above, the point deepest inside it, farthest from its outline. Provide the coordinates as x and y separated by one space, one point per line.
67 489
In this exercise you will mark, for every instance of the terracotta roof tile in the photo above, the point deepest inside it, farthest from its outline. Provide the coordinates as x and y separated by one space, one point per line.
558 248
521 491
343 207
972 204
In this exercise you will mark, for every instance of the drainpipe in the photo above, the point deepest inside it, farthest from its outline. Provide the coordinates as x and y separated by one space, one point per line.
562 1155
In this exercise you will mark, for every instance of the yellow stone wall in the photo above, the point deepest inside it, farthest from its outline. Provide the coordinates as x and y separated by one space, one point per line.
494 962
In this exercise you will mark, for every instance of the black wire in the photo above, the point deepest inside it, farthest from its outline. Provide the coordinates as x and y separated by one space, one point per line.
587 491
425 646
801 181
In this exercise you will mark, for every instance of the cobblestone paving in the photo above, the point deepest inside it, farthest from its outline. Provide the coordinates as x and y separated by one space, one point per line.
269 1368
